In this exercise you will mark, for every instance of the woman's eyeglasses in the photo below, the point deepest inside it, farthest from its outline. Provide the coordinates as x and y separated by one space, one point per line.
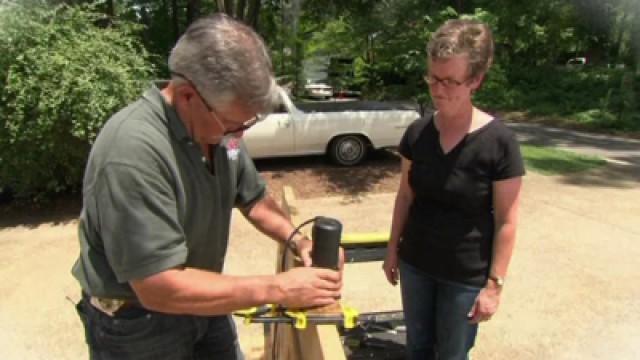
447 83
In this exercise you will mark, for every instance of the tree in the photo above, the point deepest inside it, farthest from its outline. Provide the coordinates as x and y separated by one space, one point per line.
247 11
63 77
193 10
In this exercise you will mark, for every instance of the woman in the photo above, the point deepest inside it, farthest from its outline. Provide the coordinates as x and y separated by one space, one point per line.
454 220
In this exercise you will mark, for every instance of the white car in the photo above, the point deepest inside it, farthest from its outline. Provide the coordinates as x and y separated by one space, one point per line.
577 61
345 131
318 91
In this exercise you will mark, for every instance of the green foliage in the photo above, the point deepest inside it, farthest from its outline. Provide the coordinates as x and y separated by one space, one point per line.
396 68
533 33
63 77
65 70
533 41
496 91
594 97
552 161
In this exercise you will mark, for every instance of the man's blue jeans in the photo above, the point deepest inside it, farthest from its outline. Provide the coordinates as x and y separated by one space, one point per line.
435 314
137 333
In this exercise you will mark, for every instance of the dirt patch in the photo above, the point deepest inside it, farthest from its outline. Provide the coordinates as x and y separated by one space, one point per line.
315 176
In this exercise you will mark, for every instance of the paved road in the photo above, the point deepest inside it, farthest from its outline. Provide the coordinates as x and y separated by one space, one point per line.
618 150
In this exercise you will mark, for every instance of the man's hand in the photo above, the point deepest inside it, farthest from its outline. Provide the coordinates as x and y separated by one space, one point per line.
303 246
308 287
486 304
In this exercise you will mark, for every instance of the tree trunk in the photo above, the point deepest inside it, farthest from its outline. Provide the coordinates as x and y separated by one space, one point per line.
228 6
253 14
635 36
193 10
111 11
175 20
221 7
240 9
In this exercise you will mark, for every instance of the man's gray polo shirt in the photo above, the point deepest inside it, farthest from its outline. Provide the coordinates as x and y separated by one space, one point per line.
151 203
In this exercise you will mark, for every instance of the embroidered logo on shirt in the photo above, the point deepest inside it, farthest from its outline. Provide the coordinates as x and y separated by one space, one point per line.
233 148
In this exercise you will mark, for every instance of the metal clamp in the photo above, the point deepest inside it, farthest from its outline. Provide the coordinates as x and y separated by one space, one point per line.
350 316
256 311
299 317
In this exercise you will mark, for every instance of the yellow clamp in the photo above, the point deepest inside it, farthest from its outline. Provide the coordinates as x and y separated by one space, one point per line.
300 317
350 317
250 313
247 314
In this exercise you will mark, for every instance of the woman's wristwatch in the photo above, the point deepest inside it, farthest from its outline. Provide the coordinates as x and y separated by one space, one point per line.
497 279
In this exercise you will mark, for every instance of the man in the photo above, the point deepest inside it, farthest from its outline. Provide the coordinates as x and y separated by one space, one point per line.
160 184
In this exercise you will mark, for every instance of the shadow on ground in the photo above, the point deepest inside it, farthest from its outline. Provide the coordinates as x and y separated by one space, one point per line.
609 176
60 210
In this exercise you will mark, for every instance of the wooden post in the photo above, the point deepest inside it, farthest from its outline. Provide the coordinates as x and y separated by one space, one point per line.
316 342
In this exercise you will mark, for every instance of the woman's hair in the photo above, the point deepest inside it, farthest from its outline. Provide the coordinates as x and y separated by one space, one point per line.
225 60
463 37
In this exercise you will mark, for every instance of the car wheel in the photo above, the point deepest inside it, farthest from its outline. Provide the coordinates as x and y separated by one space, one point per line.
348 150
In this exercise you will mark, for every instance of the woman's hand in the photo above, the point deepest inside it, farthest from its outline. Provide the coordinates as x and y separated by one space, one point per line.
486 304
390 265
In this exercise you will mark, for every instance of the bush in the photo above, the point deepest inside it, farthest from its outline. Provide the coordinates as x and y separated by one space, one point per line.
561 91
63 77
596 97
495 92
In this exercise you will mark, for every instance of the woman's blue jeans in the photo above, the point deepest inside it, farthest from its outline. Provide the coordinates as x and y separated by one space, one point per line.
435 314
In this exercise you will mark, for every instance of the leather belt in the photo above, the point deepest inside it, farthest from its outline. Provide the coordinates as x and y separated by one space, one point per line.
111 306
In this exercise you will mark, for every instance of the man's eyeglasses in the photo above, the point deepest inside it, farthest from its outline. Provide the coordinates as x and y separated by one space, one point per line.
249 123
447 83
244 126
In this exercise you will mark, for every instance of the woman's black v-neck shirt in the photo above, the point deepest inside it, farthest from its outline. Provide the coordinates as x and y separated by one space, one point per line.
450 228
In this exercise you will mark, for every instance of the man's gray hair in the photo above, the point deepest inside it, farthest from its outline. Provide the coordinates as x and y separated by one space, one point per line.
225 60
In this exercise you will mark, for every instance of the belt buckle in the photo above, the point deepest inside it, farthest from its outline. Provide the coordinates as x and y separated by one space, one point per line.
107 306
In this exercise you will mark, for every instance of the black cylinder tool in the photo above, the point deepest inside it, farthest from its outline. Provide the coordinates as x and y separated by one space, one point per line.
326 234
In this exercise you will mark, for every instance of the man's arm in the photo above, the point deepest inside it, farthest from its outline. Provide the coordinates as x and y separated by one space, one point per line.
269 218
198 292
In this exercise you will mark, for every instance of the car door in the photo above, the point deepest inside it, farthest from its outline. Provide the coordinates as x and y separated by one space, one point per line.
271 137
385 128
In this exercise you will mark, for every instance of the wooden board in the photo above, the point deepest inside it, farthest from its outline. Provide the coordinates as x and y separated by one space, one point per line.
316 342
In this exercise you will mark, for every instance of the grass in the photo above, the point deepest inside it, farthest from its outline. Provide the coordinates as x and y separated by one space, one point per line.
552 161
